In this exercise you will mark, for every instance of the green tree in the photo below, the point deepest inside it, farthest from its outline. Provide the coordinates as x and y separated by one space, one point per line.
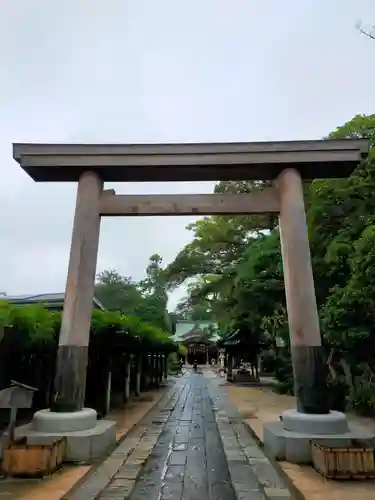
189 309
218 241
153 306
116 292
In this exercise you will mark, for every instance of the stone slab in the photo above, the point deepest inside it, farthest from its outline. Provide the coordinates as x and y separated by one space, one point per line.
82 446
295 447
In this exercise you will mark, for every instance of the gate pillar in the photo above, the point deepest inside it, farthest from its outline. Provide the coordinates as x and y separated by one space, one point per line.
72 355
309 368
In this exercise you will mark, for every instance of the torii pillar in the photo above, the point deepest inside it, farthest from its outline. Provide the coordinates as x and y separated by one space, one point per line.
72 355
312 420
309 368
88 438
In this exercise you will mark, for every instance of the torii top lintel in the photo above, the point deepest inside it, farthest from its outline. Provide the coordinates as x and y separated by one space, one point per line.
190 162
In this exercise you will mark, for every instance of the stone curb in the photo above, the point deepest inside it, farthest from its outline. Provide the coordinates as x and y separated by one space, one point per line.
123 481
119 471
253 475
296 493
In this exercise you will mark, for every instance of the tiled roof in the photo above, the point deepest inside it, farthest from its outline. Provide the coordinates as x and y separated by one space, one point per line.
56 298
193 330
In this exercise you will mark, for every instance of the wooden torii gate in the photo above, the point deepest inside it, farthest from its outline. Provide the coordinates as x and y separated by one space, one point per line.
285 163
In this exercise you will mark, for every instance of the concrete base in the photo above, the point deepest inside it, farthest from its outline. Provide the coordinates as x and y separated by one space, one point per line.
333 422
88 439
49 421
293 444
291 439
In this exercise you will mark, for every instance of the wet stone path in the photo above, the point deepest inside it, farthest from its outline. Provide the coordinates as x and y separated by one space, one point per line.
188 460
193 446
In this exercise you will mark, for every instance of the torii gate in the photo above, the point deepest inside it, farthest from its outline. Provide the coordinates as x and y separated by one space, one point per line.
285 163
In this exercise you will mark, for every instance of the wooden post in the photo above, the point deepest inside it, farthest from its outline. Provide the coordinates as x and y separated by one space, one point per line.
309 368
230 367
138 375
150 359
161 368
127 379
12 423
166 366
156 369
108 391
145 379
152 369
70 377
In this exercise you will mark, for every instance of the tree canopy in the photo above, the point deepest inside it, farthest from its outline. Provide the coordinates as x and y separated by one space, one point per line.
146 299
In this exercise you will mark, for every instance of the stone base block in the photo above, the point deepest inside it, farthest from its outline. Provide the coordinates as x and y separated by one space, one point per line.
50 421
295 447
333 422
83 446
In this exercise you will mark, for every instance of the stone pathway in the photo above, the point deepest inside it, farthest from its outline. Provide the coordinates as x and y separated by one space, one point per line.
193 446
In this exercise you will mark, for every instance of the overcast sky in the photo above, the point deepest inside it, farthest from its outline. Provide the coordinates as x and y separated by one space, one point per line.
160 71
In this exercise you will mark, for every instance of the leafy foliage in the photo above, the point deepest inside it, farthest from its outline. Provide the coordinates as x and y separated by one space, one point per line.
36 326
29 339
116 292
146 299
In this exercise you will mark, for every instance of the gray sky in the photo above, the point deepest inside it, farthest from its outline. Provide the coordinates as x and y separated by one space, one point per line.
160 71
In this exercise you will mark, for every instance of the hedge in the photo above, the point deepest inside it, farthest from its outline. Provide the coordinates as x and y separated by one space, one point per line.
33 325
29 339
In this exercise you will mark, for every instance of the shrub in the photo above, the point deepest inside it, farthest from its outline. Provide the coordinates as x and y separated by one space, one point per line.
361 397
284 372
174 365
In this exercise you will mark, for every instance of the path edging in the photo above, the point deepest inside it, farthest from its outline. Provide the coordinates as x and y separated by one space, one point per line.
94 482
241 447
296 493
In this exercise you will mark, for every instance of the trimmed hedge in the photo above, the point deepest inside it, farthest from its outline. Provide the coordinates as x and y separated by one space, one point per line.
29 339
33 325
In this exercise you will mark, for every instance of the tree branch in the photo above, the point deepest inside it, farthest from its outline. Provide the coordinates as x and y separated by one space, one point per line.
369 34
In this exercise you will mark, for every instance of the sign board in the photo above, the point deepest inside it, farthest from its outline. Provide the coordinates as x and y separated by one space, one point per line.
17 396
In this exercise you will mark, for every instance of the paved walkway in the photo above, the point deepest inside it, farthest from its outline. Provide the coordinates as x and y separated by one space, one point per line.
193 446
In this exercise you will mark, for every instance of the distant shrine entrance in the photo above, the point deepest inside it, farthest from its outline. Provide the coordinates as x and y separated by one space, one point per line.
198 352
199 339
286 165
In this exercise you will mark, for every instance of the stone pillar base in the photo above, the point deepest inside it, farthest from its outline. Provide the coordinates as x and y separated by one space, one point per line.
49 421
290 439
88 439
333 422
